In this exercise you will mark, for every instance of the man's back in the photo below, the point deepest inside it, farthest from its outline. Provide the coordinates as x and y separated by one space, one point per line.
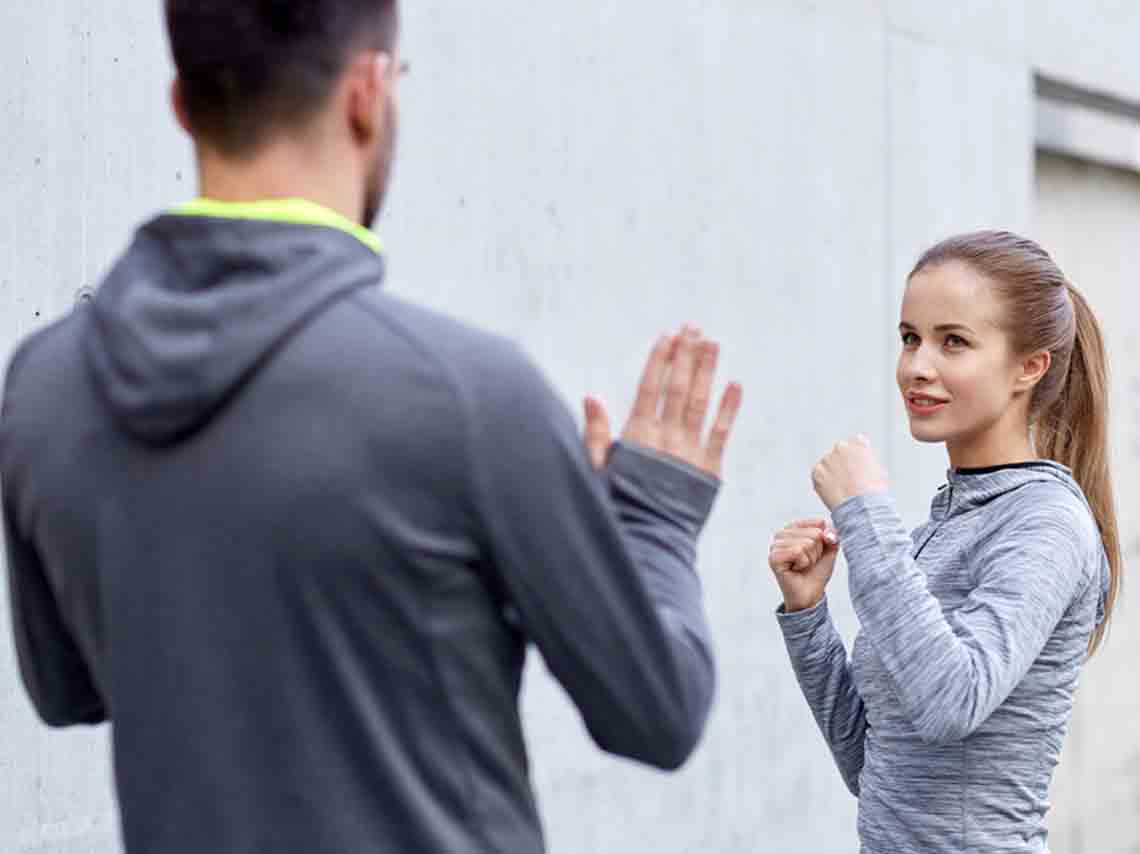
293 537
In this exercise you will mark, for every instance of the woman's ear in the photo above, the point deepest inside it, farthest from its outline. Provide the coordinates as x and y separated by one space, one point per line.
1033 370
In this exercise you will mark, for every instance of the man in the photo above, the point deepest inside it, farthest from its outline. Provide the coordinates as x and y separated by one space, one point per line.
292 535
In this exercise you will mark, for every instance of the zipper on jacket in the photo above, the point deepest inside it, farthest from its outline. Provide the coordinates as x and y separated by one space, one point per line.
942 521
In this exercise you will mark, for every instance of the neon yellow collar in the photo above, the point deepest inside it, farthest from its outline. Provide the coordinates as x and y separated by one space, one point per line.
300 211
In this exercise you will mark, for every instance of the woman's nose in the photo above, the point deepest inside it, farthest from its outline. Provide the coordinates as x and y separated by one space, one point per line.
917 366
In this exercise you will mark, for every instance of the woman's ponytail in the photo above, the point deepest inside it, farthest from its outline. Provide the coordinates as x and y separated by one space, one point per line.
1074 432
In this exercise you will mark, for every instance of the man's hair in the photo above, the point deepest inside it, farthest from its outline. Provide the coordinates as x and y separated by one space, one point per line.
250 67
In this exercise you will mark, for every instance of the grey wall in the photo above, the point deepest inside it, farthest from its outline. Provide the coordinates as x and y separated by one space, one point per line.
583 176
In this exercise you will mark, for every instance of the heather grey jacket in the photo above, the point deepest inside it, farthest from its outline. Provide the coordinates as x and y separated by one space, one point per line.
292 536
948 721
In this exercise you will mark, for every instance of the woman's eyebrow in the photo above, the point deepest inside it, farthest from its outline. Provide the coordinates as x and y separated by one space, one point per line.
942 327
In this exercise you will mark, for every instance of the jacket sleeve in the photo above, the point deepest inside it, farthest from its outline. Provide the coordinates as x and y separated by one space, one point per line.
950 671
819 660
52 668
600 568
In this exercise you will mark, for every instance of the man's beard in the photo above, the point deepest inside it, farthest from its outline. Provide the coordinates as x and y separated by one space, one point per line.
377 182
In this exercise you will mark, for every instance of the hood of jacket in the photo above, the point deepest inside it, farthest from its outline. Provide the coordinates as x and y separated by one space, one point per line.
204 295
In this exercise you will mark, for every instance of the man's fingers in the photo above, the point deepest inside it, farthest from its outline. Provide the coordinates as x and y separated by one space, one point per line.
598 435
649 391
722 428
681 376
698 406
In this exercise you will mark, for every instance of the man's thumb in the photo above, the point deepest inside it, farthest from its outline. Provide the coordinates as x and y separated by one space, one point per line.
597 431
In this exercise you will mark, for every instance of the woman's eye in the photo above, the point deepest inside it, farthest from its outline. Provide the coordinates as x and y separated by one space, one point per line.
955 342
909 339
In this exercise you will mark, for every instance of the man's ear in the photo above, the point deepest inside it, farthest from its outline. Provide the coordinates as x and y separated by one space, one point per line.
368 79
1033 369
179 103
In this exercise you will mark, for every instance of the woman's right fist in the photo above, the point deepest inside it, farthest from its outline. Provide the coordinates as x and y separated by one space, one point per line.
802 557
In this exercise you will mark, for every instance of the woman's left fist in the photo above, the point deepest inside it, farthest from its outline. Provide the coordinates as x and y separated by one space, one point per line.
850 469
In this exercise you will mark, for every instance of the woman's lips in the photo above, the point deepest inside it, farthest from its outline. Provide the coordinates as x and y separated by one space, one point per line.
923 405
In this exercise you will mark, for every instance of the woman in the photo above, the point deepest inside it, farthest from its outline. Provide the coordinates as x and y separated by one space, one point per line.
947 722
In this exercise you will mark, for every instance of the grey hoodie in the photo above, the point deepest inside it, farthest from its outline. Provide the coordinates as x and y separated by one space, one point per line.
948 721
292 536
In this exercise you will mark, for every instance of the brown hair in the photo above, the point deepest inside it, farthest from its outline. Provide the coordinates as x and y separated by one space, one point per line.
1069 409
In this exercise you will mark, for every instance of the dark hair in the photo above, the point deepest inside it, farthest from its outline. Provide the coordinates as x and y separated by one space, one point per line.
247 67
1044 311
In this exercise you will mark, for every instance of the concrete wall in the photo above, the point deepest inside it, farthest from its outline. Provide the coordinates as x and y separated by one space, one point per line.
582 176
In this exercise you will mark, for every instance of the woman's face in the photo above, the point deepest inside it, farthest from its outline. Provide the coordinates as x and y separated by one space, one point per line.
957 374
